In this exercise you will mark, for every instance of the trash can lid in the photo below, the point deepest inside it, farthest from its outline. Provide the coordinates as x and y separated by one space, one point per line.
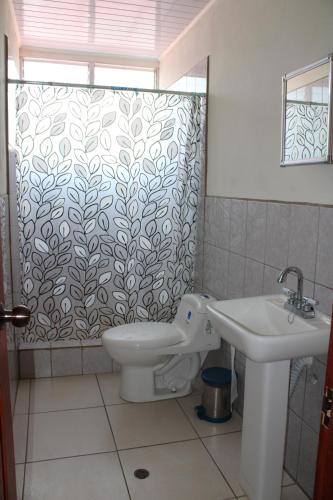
216 376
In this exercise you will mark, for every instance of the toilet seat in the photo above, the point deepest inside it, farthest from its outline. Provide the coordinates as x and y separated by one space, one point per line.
145 335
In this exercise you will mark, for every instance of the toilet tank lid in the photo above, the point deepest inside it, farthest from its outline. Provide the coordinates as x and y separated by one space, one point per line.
147 335
198 301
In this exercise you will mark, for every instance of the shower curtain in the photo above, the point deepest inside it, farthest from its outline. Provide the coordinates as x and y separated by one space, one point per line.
108 186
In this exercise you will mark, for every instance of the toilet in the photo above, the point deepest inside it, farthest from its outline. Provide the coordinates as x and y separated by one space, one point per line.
160 360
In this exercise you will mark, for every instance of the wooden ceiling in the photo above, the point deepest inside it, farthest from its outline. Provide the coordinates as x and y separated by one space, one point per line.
124 27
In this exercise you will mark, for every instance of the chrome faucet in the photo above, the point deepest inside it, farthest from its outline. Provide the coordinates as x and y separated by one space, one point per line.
300 280
297 303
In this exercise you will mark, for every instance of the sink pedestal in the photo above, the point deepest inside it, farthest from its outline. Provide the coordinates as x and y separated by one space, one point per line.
264 428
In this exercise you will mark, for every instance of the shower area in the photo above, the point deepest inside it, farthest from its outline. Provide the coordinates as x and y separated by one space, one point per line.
109 190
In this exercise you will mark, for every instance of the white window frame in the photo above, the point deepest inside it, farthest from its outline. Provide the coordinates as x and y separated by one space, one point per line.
91 67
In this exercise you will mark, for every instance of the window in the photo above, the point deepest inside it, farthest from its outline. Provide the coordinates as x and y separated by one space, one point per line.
72 72
54 71
124 77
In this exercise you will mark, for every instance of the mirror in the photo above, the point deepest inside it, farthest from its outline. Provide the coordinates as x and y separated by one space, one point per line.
306 115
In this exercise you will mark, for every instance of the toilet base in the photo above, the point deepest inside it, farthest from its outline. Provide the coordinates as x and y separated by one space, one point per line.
137 385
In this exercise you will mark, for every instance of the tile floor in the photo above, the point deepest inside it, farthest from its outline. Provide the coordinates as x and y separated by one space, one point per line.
75 438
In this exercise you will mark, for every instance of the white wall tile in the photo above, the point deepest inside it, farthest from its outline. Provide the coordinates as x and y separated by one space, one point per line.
96 360
256 230
324 269
254 278
236 273
215 270
277 234
307 459
35 363
238 226
66 361
303 238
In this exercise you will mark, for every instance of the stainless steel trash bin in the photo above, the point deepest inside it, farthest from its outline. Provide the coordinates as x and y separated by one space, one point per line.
216 406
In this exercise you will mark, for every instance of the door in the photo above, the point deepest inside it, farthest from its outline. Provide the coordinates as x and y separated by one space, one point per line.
7 473
7 463
324 476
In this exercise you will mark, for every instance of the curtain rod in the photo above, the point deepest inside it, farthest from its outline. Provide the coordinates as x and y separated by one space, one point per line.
306 103
104 87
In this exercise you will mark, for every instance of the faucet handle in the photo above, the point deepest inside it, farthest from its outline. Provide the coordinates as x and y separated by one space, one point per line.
312 302
290 293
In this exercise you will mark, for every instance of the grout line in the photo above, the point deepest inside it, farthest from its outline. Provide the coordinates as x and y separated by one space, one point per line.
267 200
70 456
220 470
159 444
81 356
316 254
27 442
66 409
188 418
201 439
114 439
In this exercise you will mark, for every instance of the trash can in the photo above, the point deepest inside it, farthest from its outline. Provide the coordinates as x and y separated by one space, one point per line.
216 406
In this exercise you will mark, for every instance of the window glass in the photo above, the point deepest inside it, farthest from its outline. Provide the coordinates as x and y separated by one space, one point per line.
50 71
124 77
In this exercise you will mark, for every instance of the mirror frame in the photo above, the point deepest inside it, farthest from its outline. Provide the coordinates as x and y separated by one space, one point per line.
285 78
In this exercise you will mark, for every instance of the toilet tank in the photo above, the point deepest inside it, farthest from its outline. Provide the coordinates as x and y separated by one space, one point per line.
192 320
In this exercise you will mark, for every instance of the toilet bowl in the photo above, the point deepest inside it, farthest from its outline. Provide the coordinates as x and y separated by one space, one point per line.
160 360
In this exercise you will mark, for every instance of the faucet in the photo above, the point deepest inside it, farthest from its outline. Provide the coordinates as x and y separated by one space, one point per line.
297 303
300 280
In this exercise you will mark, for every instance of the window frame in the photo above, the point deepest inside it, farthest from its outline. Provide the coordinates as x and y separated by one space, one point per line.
91 66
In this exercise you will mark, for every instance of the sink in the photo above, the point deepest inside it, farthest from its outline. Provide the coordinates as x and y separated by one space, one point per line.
264 330
270 336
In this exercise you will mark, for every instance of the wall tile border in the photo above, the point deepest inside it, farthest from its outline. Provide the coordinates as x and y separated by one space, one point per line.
55 359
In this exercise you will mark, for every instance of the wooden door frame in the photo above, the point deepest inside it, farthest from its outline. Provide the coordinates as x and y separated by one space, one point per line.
7 461
324 470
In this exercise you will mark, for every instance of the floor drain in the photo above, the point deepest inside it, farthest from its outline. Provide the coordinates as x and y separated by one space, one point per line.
141 473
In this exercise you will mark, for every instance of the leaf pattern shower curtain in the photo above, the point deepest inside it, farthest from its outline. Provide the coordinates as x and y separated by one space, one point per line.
108 187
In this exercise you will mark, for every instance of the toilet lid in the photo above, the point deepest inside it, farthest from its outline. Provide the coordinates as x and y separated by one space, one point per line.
146 335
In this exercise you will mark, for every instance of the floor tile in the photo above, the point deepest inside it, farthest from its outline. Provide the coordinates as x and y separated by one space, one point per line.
179 471
64 393
110 384
145 424
22 398
286 479
288 493
97 477
293 493
69 433
204 428
225 450
19 470
20 430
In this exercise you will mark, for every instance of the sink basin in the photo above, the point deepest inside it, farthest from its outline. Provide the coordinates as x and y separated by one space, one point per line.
265 331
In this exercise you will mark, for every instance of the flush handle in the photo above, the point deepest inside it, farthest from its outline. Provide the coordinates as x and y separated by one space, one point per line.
19 316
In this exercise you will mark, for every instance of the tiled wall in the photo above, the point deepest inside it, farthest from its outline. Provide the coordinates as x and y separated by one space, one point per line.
56 359
242 248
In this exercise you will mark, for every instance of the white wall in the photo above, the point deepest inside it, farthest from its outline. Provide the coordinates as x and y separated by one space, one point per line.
251 44
7 27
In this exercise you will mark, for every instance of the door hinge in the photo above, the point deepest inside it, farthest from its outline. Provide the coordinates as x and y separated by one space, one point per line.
326 412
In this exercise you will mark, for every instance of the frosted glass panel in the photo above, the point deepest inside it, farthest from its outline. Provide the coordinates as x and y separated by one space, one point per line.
43 71
124 77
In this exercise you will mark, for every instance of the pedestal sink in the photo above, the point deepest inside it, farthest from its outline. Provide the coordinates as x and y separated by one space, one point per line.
269 336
